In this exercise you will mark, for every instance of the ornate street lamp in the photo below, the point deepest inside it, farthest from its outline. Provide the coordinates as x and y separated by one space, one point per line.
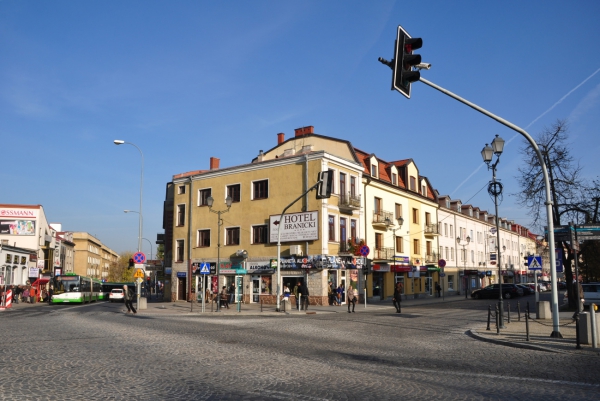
209 202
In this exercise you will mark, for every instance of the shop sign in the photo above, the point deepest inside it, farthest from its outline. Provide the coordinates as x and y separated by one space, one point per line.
381 268
302 226
168 270
471 272
261 267
401 260
34 272
400 269
181 274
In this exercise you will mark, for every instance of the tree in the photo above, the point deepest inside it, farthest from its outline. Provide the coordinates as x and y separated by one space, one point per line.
120 272
572 197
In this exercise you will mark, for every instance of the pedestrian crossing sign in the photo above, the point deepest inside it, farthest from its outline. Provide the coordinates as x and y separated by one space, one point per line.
204 268
534 262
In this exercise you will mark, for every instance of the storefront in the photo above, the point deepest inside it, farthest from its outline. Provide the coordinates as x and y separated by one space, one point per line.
261 279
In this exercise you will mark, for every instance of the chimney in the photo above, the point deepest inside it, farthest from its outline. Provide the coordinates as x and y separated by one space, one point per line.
214 163
305 130
280 138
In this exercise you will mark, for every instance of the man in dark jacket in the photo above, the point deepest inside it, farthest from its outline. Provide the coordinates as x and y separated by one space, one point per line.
303 291
127 297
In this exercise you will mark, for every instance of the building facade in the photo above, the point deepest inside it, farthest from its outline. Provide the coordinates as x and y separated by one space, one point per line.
92 258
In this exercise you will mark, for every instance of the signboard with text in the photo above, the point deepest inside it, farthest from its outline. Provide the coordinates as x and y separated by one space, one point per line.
302 226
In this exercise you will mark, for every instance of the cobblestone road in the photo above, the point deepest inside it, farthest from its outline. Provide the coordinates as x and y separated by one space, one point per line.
98 353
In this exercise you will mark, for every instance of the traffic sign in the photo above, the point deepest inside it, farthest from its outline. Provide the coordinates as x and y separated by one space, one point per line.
364 250
139 257
204 268
139 273
442 263
534 262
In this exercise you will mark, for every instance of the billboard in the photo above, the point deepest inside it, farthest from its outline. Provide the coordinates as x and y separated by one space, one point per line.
17 227
302 226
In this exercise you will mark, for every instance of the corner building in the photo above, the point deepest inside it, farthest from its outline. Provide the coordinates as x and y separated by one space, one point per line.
317 251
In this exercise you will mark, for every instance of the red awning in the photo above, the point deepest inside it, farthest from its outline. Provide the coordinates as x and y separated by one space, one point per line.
40 281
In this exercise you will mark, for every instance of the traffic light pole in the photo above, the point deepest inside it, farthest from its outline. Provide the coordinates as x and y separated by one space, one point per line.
555 318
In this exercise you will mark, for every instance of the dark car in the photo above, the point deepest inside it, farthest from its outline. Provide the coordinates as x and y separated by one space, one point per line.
527 290
493 291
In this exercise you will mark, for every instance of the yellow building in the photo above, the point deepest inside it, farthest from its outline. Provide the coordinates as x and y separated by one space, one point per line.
92 258
315 233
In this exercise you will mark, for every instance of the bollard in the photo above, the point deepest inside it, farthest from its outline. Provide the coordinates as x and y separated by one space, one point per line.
261 302
578 346
497 320
519 311
594 328
527 326
508 311
528 309
284 305
489 317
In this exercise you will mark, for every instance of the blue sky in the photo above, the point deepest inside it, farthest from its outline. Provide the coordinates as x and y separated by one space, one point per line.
187 80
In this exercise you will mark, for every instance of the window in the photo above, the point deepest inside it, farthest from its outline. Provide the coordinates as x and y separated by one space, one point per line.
260 189
416 248
203 195
428 247
394 179
424 190
451 253
377 206
259 234
399 245
427 218
179 250
180 215
378 241
234 192
353 229
450 282
413 184
446 229
398 211
415 216
233 236
343 229
342 183
451 230
181 189
331 228
353 186
203 238
332 173
374 170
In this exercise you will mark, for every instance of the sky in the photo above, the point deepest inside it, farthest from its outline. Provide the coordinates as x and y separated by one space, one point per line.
188 80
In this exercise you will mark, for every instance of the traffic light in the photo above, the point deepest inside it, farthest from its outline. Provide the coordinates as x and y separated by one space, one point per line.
404 60
325 179
131 263
526 261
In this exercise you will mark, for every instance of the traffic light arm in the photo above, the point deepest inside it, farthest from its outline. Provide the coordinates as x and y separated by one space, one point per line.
556 331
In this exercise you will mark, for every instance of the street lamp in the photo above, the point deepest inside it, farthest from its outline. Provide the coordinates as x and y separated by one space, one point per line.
495 189
209 202
120 142
464 253
140 217
150 247
389 223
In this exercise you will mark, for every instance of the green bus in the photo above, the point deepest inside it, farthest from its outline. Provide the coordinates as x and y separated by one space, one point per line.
72 288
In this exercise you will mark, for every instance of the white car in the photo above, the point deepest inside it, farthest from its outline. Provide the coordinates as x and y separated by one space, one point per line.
591 294
116 295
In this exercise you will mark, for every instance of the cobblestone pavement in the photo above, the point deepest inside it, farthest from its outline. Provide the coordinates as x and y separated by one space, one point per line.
97 352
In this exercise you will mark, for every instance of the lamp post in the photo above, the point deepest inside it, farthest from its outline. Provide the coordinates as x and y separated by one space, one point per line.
120 142
464 253
495 189
389 223
150 247
209 202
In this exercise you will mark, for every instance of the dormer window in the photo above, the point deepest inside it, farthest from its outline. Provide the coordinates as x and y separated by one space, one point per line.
394 179
447 203
374 170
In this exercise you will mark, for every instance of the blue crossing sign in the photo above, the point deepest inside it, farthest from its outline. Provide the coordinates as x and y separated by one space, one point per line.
204 268
534 262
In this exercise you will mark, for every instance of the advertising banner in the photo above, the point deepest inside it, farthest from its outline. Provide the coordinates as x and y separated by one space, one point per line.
295 227
17 227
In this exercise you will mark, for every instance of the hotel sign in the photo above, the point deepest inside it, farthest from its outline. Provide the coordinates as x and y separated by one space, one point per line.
295 227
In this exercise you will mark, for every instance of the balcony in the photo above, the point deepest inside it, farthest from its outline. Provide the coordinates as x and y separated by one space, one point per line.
383 254
346 248
431 230
349 202
432 258
383 219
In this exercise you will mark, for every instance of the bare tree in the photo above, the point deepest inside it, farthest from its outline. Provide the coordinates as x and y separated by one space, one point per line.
569 192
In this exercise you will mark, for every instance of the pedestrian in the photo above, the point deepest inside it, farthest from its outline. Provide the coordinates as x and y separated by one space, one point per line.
26 295
16 293
438 289
351 298
296 292
338 295
224 298
127 297
232 293
50 293
303 291
397 297
330 294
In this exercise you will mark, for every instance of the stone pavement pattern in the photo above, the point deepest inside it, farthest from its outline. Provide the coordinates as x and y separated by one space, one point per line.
96 352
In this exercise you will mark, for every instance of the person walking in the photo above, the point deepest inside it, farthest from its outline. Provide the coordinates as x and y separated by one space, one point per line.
438 289
127 298
351 298
303 291
224 297
338 295
296 292
26 295
232 293
397 297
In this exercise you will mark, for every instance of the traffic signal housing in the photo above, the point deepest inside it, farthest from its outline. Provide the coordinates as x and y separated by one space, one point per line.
325 179
131 263
404 61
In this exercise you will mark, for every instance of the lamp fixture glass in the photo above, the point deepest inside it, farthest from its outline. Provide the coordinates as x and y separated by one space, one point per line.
228 201
498 145
209 201
118 142
487 153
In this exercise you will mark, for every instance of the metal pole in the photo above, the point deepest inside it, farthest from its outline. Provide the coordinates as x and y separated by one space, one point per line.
218 297
555 317
500 301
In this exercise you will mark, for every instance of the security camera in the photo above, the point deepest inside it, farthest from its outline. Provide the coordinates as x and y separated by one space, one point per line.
242 253
423 66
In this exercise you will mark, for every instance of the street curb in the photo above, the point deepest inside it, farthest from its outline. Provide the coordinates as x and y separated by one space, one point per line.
473 334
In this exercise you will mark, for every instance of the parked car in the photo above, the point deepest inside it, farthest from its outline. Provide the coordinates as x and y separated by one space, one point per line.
591 294
116 295
561 285
493 291
527 290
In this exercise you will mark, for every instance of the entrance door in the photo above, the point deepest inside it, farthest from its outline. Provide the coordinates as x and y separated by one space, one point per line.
428 285
181 292
256 289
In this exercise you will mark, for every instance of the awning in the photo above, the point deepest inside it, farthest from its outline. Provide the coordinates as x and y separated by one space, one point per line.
40 281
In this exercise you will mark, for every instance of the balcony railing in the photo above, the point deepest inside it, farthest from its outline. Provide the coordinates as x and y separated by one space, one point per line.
345 247
432 258
383 254
432 229
383 218
349 201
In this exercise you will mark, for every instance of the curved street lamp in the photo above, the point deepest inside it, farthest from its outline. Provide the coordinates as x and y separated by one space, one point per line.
228 202
464 253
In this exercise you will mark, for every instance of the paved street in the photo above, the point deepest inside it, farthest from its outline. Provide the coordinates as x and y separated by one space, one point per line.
96 352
